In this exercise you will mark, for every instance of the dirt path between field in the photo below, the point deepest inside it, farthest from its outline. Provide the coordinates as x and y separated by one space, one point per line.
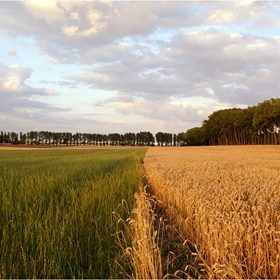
178 256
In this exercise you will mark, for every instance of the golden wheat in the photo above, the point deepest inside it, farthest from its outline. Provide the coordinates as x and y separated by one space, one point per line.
227 203
139 241
145 248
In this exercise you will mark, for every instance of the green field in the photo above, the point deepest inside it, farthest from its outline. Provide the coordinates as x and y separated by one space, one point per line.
56 209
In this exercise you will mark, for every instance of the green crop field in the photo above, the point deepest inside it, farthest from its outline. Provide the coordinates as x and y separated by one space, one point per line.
56 209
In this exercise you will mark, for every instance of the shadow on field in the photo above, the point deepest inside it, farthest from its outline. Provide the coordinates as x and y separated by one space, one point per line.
179 256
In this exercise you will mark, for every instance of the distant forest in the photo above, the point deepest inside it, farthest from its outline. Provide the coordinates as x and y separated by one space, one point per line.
253 125
250 126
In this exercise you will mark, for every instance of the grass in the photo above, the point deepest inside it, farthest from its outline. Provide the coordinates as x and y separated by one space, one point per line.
56 211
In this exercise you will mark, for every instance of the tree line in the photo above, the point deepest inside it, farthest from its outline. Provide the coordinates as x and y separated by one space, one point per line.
253 125
74 139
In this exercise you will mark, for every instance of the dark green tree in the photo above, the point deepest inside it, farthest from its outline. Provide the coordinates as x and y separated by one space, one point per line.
267 120
196 136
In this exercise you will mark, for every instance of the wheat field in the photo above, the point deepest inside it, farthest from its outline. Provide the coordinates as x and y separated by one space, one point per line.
56 207
226 202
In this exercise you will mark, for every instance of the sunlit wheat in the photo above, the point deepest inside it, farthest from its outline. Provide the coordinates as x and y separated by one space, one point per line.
227 203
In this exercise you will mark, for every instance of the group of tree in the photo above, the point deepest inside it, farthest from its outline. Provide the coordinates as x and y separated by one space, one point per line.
169 139
75 139
258 124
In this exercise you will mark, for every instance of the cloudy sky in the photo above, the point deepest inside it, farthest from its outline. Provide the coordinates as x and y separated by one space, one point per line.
120 66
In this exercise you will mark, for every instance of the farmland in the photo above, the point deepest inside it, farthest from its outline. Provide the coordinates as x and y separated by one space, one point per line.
226 203
56 210
83 212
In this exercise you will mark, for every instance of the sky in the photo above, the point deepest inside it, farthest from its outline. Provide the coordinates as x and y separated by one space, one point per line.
130 66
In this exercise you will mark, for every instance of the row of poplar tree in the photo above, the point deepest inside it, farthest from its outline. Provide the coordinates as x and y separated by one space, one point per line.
258 124
253 125
75 139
